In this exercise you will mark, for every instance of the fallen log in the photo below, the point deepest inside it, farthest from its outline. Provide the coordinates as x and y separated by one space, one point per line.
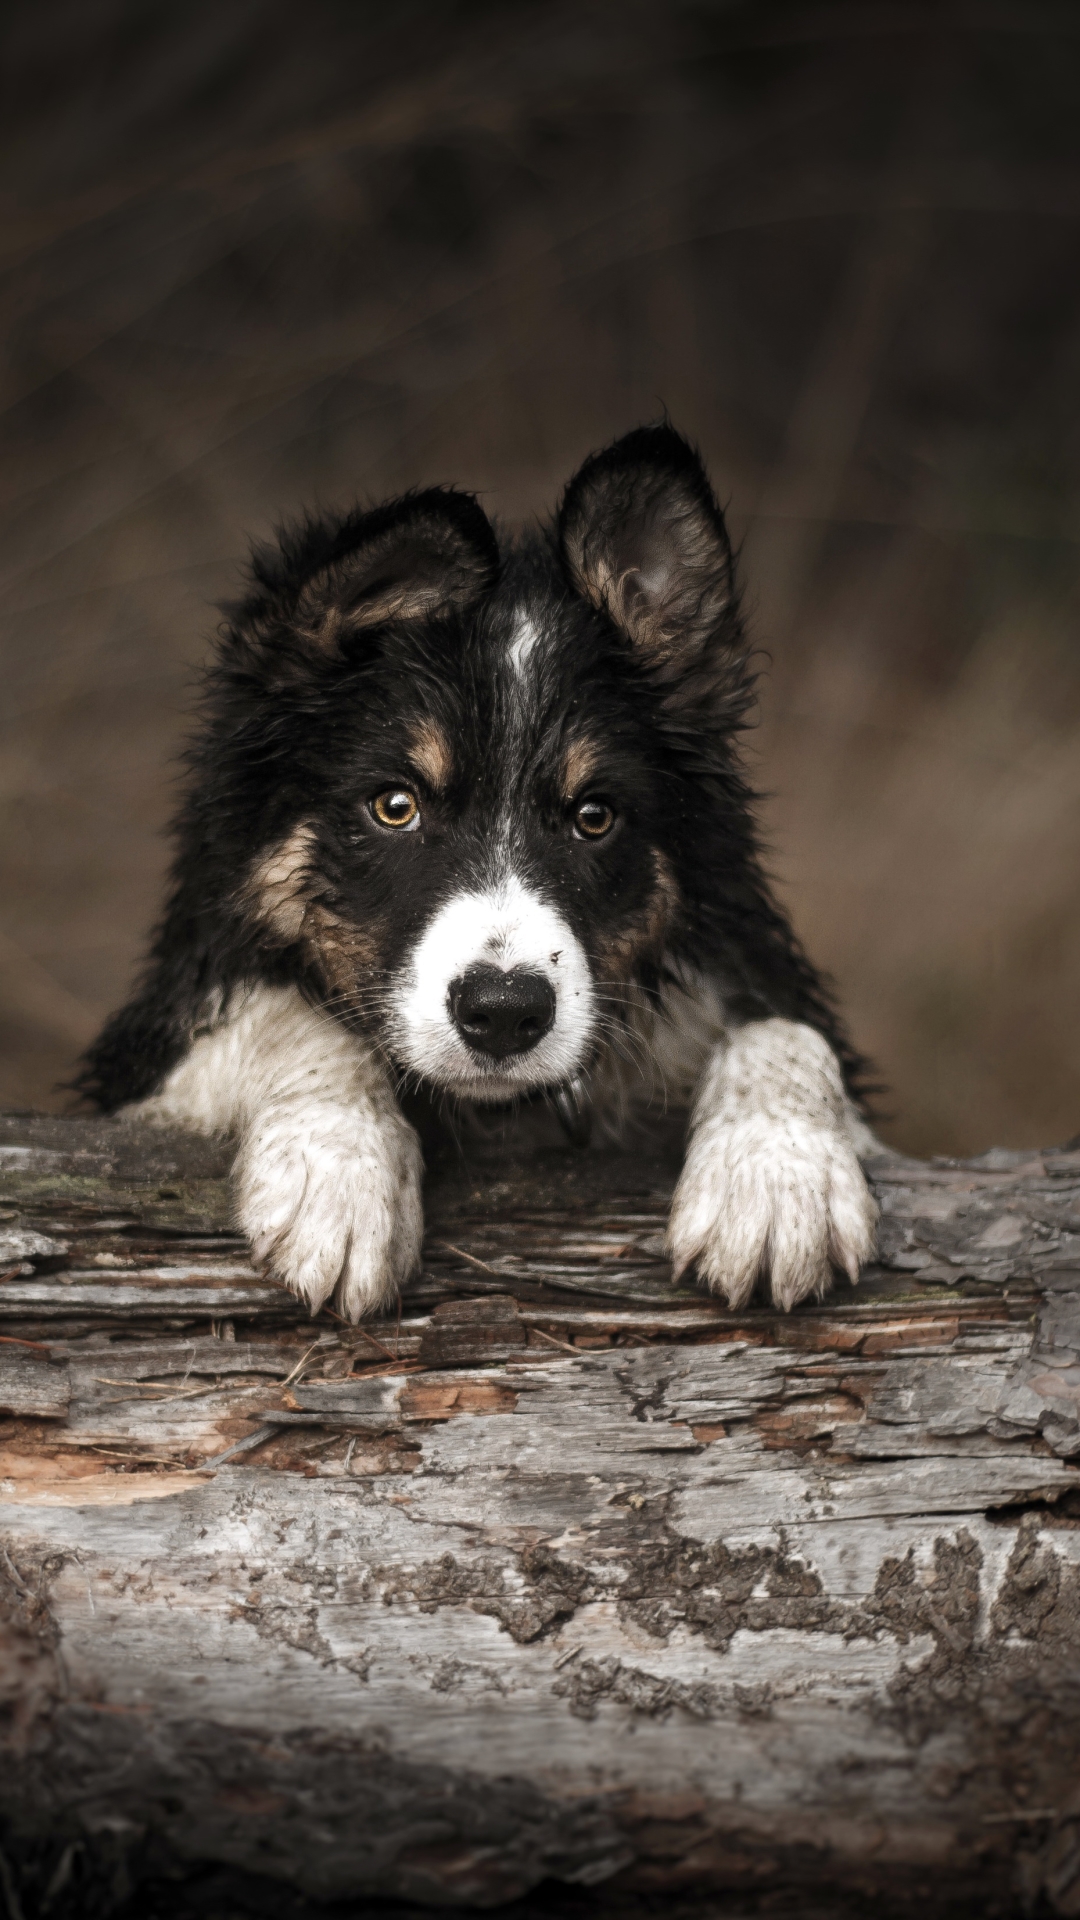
563 1573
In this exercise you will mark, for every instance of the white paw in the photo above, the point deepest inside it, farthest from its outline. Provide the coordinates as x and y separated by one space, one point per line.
772 1184
330 1201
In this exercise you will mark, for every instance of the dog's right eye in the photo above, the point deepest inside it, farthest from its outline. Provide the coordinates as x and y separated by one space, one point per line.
593 819
396 807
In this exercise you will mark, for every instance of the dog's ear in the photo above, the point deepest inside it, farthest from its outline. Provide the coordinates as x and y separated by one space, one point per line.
642 537
331 581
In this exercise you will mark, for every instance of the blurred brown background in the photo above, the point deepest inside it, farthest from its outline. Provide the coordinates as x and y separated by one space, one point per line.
258 253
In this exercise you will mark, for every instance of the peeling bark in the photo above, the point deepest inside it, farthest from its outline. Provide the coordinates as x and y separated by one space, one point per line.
568 1572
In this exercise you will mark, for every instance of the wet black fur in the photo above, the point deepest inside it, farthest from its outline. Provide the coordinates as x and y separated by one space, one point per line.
306 712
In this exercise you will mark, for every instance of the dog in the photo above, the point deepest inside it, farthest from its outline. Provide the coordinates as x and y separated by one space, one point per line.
467 814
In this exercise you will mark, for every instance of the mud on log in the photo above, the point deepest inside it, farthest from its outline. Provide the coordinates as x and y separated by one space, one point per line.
565 1572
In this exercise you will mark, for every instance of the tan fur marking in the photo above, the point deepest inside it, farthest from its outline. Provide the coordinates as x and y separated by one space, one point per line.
646 933
397 603
281 892
345 955
579 766
278 887
325 625
429 751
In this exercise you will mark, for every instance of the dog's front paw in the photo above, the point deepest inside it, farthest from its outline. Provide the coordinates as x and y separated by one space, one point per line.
772 1184
754 1199
330 1202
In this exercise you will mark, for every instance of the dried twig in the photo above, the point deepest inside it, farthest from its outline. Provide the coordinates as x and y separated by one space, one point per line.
265 1432
564 1344
299 1367
445 1247
376 1343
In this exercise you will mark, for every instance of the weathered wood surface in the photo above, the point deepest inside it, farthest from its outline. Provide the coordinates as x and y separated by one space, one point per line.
566 1572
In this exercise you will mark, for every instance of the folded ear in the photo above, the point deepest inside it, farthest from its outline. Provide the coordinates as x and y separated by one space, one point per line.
643 538
329 581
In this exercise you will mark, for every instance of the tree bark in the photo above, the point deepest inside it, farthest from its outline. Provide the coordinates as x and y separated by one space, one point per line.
567 1572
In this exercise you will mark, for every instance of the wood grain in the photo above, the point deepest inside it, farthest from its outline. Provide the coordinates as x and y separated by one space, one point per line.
565 1573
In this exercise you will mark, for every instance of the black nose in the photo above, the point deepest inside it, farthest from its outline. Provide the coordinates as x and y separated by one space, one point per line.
501 1013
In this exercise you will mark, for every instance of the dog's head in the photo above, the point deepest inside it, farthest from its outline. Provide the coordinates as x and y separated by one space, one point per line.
473 794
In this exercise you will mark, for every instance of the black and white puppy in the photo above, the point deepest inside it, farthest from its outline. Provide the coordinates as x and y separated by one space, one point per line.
471 816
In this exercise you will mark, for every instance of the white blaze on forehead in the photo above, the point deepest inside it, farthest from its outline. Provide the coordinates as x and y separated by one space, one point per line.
526 636
507 926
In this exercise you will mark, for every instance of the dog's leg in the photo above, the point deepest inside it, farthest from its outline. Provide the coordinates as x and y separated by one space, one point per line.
328 1171
772 1181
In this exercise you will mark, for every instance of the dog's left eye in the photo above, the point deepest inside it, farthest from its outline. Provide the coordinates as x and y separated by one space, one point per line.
396 807
593 818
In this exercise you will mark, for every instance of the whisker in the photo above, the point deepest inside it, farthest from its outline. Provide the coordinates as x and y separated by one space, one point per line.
627 1045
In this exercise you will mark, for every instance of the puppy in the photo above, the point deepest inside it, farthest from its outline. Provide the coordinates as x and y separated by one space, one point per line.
469 815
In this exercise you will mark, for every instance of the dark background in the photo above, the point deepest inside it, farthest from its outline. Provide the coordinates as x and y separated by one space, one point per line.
257 253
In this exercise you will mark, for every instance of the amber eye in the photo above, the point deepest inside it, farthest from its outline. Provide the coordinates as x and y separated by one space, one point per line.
593 818
396 807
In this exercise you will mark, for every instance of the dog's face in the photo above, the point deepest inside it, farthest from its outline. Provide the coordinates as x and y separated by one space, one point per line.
491 836
495 765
